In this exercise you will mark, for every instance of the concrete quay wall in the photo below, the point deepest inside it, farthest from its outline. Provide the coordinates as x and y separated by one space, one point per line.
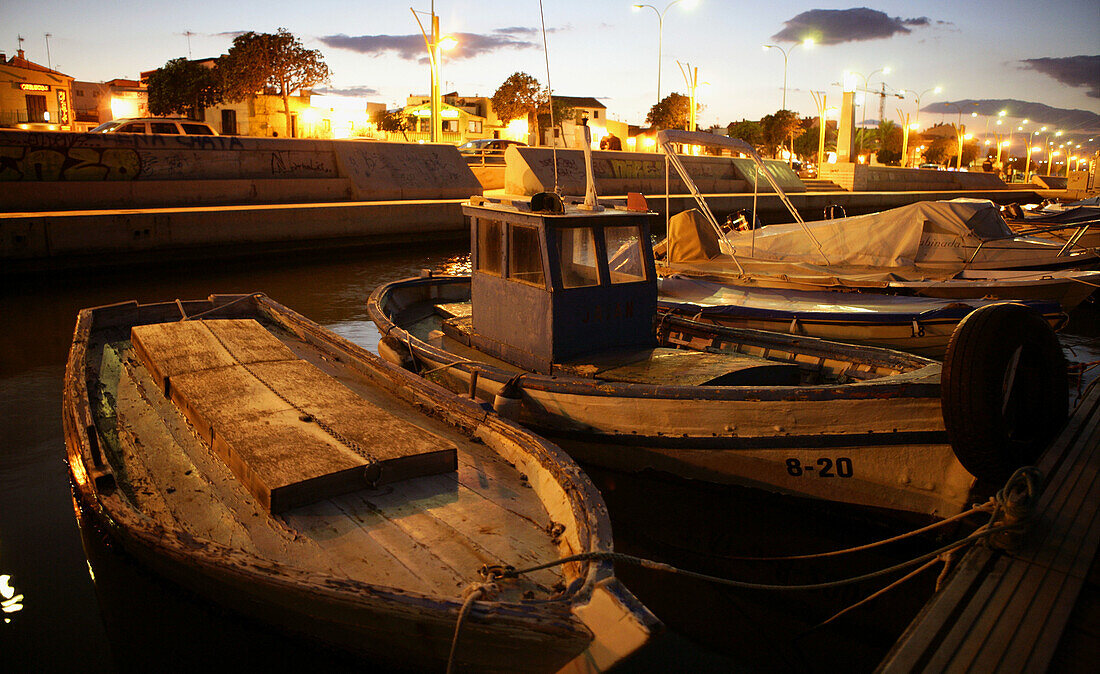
48 241
63 171
530 170
864 178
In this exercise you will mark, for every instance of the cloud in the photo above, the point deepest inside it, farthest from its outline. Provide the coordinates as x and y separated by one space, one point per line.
1075 71
412 48
359 90
834 26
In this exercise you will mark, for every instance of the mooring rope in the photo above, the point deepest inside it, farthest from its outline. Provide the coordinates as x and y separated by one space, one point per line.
473 593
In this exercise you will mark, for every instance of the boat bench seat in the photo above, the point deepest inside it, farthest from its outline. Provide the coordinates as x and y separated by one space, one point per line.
290 433
683 367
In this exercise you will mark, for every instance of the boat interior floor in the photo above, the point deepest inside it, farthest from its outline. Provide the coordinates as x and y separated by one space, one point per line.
427 534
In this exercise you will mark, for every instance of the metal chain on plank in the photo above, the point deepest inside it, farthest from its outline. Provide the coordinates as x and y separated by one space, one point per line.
304 415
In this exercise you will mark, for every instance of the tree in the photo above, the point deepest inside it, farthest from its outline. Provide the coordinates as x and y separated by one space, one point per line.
672 112
942 149
518 97
750 132
889 142
562 112
266 62
778 129
394 121
182 87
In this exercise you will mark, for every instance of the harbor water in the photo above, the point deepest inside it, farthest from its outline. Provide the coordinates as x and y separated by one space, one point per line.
79 604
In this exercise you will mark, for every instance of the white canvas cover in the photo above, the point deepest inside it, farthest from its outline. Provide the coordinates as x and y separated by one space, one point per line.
889 239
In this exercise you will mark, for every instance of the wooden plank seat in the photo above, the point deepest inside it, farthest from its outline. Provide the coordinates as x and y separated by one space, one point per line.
290 433
657 365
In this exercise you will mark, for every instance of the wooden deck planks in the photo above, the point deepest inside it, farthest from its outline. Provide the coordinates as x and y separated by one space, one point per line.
235 521
1009 611
289 432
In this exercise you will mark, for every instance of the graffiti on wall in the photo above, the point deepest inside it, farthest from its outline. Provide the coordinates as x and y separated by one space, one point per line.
20 162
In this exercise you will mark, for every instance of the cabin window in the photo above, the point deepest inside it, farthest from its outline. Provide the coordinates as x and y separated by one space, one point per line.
624 254
525 256
577 256
489 246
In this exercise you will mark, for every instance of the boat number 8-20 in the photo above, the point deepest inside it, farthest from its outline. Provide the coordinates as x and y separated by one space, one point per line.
825 467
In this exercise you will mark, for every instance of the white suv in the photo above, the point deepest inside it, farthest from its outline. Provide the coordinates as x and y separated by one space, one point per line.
160 125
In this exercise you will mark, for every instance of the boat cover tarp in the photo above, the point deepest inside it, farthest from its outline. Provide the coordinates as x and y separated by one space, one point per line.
708 298
886 239
878 247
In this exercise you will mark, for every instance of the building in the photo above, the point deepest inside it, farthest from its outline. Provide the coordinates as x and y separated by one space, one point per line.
98 102
34 96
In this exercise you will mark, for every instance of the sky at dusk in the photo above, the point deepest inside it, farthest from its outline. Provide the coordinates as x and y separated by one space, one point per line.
976 49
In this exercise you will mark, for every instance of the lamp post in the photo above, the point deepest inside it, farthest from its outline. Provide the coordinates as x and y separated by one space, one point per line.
934 90
660 36
808 42
691 78
866 86
435 45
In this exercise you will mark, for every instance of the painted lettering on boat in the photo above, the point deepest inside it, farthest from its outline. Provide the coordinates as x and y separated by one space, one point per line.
823 467
615 311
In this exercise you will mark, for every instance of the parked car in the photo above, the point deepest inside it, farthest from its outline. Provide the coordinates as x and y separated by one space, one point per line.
934 167
486 150
159 125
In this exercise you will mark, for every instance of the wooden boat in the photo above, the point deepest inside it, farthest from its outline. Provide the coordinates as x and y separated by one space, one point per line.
920 325
556 326
279 470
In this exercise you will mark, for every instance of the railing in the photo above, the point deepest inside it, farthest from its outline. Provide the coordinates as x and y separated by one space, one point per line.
452 137
13 117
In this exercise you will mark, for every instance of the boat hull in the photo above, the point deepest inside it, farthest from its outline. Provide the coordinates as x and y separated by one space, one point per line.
729 434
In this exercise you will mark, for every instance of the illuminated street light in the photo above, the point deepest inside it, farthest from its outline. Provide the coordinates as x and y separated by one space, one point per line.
808 42
935 90
435 44
661 32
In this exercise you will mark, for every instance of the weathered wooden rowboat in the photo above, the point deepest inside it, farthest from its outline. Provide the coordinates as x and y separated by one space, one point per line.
288 474
556 326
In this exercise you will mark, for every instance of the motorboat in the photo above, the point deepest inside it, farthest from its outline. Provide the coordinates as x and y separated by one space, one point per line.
920 248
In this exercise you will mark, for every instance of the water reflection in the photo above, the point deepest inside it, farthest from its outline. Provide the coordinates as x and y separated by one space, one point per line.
11 602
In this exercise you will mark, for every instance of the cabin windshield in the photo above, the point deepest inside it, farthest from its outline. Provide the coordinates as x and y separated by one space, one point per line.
525 255
577 257
624 252
489 248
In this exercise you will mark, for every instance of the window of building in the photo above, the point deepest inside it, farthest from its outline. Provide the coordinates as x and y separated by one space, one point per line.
473 126
595 114
525 256
577 257
450 125
489 247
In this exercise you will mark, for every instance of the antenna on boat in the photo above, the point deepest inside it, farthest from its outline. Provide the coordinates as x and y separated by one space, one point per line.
549 99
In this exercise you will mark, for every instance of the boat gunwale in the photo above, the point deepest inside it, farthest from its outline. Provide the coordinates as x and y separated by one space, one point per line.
175 547
922 382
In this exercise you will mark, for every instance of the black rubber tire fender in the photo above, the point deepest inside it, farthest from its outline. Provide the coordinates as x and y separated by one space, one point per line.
1004 390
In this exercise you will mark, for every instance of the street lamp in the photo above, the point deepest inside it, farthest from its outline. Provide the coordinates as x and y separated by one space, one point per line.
934 90
660 34
866 90
435 45
808 42
691 77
